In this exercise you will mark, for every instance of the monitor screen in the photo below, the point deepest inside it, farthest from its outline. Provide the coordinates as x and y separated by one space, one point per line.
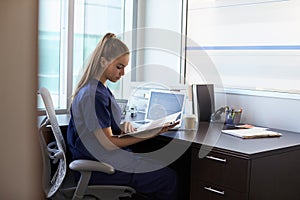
164 103
203 101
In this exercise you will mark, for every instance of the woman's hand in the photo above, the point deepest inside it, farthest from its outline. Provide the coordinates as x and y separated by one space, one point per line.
127 127
168 126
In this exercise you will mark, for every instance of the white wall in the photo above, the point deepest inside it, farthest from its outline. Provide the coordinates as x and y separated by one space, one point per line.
279 113
19 147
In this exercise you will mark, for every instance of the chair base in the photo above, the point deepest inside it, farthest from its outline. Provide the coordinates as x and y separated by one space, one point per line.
96 192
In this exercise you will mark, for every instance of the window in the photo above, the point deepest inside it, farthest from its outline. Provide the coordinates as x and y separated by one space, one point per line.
50 26
68 32
254 44
160 38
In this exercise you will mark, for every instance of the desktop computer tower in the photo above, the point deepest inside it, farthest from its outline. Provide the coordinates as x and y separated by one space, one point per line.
203 100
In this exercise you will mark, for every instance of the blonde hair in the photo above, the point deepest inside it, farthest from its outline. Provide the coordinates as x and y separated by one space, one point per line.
109 48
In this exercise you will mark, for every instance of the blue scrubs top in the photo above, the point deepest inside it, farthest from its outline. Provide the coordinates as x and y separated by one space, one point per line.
94 107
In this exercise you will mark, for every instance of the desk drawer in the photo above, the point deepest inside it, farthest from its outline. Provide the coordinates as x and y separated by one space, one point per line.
220 169
207 191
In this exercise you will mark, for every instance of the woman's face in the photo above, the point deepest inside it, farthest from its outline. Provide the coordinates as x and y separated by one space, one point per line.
116 69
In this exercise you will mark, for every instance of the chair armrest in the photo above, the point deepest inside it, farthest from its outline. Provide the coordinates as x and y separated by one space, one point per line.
90 165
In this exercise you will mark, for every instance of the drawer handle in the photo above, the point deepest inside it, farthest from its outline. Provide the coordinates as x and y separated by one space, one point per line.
214 190
216 159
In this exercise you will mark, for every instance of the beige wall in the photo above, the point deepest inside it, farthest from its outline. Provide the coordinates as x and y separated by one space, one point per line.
19 147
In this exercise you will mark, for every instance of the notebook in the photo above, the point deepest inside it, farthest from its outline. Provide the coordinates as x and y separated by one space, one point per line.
255 132
152 127
162 103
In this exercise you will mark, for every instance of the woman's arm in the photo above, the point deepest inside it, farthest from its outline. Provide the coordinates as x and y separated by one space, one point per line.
110 142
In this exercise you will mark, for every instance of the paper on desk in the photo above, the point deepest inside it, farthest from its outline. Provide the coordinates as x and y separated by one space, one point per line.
255 132
155 124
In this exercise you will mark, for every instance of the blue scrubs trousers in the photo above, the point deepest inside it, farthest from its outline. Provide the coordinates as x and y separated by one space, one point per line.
156 185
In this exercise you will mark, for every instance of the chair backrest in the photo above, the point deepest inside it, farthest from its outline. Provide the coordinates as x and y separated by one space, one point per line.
55 151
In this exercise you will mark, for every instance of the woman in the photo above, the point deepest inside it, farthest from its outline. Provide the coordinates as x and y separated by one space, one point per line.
95 120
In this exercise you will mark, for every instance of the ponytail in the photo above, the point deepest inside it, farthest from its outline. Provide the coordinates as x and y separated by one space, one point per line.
110 48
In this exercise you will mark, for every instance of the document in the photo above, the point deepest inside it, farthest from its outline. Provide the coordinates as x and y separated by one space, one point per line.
154 126
255 132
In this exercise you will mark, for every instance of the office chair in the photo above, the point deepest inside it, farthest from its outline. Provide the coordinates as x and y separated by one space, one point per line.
58 181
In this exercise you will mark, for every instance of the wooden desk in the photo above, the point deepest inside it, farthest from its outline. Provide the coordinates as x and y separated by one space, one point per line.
243 169
233 168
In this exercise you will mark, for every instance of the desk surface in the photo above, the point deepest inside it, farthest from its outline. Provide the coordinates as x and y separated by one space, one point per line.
212 137
243 147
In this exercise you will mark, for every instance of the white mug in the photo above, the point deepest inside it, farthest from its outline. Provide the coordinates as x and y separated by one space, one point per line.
189 121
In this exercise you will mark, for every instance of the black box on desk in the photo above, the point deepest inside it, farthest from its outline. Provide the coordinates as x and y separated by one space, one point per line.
203 99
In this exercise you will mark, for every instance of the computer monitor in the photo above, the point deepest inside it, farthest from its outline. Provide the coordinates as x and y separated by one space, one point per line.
203 101
123 104
162 103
